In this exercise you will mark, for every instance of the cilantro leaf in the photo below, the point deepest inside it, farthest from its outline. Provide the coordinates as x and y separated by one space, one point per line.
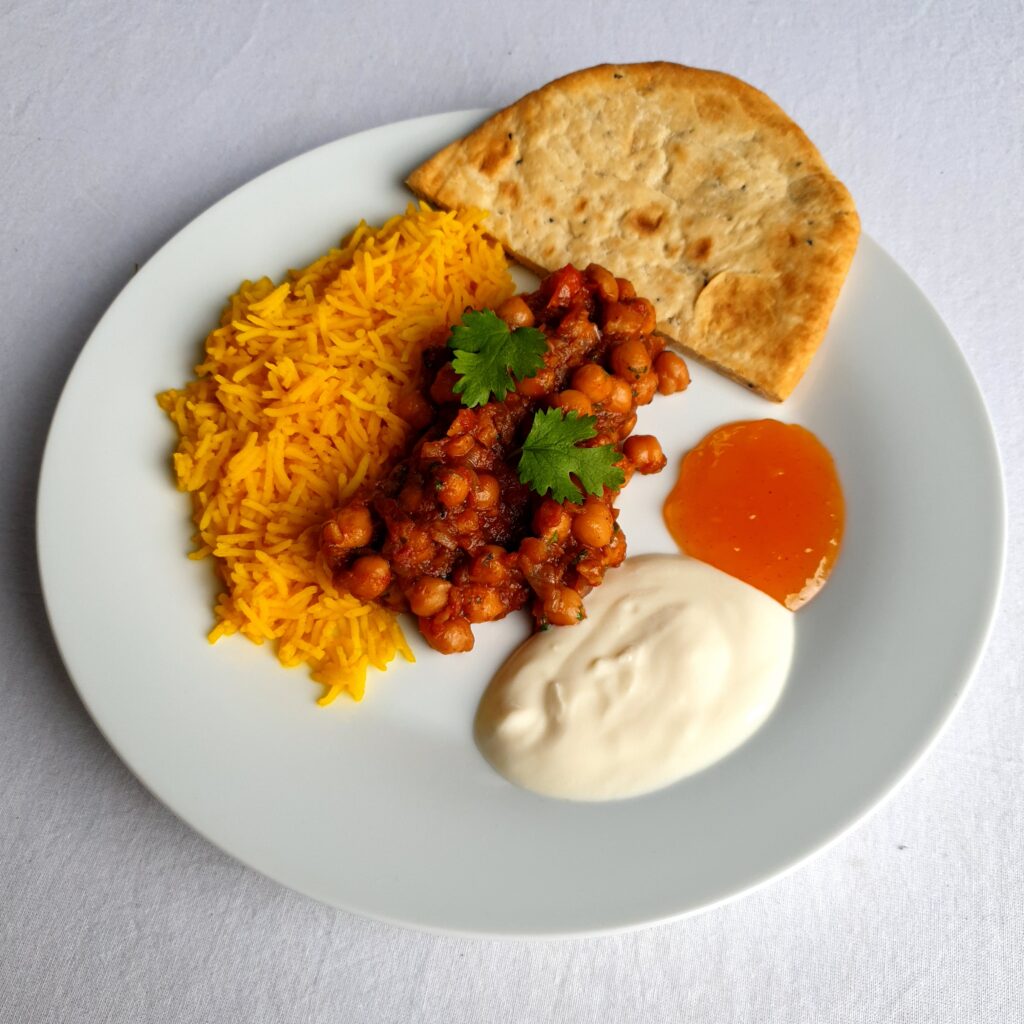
551 454
487 353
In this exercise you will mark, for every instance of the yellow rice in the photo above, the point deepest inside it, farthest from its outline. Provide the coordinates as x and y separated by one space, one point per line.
290 412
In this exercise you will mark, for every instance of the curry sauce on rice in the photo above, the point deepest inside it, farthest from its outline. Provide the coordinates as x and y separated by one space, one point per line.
299 401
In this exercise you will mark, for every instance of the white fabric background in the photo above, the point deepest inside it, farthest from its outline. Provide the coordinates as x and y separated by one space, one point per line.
119 122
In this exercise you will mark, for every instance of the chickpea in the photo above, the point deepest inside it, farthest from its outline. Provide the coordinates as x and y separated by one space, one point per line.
486 491
630 360
607 286
593 381
628 424
644 308
645 453
449 635
542 383
466 522
644 388
572 401
672 372
355 527
626 289
369 577
428 595
621 398
487 566
621 318
551 520
418 546
414 409
481 603
330 535
533 552
593 525
563 606
516 313
452 487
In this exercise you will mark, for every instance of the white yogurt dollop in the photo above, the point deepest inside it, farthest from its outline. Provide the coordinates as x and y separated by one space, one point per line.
676 665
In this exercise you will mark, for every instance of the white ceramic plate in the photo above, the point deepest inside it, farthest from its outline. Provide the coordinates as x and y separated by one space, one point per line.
386 808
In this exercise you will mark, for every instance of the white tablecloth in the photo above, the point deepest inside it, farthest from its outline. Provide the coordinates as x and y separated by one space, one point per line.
121 121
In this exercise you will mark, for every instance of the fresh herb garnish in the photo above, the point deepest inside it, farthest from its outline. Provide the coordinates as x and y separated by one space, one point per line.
551 458
488 354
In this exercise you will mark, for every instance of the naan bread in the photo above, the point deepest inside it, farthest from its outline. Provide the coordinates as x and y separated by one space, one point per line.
692 184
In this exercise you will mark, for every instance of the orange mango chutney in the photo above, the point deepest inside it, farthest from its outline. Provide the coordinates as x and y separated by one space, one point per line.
761 500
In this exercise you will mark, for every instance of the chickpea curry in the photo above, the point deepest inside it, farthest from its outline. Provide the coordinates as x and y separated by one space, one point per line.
473 523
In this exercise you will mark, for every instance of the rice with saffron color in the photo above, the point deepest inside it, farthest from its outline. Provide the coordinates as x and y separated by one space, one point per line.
292 409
